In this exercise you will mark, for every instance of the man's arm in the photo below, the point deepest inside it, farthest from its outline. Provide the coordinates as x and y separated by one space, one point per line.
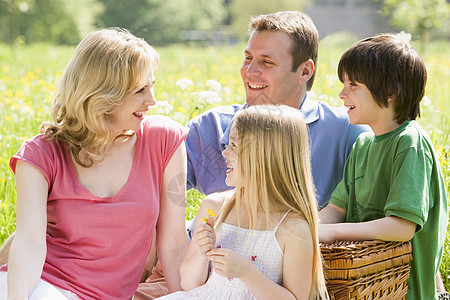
4 251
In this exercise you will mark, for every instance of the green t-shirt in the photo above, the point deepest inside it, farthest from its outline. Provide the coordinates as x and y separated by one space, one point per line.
398 174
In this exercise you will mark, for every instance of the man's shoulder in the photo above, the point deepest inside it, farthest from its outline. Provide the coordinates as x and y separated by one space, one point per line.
325 114
338 113
216 113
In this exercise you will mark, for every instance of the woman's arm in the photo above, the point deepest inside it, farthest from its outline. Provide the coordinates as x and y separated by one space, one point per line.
194 269
297 266
28 249
171 237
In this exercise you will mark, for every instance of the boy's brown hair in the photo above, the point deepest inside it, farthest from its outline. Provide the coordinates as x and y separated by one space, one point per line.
390 68
301 29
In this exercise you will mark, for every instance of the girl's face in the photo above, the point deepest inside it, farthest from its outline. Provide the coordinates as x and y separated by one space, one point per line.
231 158
130 114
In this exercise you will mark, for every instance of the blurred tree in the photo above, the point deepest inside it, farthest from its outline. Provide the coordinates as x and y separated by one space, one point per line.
84 13
242 10
161 21
418 17
9 11
37 21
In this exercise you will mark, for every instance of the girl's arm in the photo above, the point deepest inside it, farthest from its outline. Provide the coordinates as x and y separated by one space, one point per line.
171 237
28 248
297 266
387 229
194 269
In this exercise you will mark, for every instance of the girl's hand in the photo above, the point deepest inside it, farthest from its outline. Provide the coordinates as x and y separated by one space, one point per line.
229 263
204 236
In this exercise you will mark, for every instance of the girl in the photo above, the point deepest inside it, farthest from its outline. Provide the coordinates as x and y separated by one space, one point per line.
265 241
94 188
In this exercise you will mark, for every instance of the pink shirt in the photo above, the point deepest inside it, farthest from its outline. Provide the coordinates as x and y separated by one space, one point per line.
97 246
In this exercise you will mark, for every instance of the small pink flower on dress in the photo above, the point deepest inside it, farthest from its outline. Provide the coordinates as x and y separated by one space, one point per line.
254 257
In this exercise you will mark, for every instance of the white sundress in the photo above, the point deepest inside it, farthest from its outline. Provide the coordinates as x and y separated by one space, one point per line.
265 253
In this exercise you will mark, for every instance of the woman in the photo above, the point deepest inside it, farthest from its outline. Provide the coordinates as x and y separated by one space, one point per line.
93 189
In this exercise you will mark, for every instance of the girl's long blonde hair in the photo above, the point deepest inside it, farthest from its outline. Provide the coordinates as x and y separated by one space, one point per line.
107 65
274 168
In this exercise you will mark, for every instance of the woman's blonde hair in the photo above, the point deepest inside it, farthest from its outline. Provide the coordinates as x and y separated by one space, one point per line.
274 165
107 65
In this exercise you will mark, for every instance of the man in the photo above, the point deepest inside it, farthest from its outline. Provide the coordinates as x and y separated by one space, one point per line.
279 68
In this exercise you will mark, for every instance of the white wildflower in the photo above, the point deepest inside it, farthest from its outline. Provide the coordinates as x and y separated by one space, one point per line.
426 101
404 36
184 83
214 85
209 97
163 107
312 95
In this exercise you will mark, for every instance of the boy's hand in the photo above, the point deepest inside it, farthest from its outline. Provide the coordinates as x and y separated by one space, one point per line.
229 263
204 236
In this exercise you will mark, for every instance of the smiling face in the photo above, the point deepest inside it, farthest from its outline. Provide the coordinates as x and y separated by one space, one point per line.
231 158
130 114
362 108
266 70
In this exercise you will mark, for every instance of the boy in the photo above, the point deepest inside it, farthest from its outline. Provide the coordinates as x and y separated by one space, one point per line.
392 187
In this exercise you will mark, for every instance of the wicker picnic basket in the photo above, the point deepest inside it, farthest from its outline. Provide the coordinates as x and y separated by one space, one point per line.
366 270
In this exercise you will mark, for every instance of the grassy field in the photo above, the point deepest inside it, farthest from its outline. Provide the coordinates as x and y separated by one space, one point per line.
188 81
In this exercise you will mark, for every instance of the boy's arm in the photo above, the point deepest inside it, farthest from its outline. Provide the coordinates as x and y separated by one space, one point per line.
332 214
387 229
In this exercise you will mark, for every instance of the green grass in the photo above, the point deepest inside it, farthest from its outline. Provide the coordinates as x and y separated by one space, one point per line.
28 78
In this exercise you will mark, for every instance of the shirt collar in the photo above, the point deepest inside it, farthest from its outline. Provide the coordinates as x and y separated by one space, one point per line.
309 109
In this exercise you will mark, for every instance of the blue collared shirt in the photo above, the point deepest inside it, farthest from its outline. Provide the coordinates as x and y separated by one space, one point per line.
331 139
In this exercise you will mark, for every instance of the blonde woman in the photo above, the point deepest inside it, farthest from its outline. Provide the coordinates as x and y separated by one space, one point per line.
93 189
265 242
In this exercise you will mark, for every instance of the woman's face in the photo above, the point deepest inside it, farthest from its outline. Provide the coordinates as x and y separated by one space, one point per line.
130 114
231 158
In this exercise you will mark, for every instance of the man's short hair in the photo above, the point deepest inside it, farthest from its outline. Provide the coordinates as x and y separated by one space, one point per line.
301 29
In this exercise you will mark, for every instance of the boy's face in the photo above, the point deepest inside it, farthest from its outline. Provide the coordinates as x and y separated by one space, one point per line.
266 70
362 108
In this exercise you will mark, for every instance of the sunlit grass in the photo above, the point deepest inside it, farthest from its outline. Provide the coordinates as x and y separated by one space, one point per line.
28 79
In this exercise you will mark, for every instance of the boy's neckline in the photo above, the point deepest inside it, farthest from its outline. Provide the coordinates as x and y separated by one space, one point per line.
388 134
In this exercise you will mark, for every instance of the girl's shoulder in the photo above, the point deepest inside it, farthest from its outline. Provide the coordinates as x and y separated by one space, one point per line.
215 201
294 228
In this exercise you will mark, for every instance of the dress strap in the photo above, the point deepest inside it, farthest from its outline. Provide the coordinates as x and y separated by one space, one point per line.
282 219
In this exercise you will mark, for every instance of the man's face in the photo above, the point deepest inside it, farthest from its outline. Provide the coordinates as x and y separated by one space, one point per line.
266 70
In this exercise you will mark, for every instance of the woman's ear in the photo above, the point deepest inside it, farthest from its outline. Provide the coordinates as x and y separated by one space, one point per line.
305 71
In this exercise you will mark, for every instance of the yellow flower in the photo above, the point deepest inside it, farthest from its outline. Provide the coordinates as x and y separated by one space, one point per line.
210 214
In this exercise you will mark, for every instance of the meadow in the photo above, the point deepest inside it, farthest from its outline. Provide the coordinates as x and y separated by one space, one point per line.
189 80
